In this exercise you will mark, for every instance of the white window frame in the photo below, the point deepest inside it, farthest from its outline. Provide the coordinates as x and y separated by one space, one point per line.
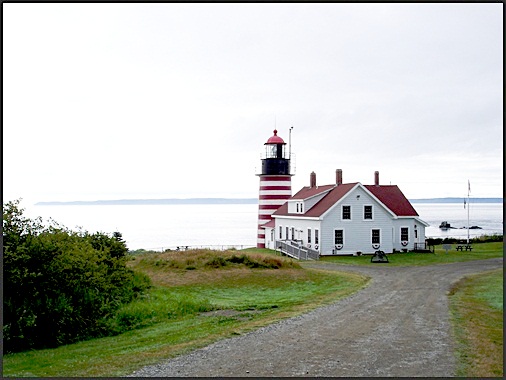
379 236
338 229
372 213
342 212
407 228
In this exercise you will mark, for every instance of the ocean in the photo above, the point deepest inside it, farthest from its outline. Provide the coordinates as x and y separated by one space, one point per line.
158 227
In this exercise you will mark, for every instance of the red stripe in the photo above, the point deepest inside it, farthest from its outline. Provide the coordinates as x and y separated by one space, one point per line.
260 245
280 197
268 207
264 217
275 188
272 178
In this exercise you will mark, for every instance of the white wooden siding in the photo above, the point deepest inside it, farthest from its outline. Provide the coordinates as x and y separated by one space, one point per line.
357 231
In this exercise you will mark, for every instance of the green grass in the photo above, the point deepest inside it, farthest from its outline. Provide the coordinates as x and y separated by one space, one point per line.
169 321
476 304
480 251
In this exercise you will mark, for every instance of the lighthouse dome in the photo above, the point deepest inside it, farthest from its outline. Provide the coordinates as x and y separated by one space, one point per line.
275 139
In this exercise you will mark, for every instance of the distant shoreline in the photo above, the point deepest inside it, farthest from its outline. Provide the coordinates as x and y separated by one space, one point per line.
173 201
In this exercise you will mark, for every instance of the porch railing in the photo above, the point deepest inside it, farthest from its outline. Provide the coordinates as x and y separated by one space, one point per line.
296 250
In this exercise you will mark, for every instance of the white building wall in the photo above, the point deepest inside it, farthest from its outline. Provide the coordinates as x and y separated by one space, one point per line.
409 223
357 230
300 227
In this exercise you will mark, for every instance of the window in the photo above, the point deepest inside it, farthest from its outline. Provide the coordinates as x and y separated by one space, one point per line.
368 212
309 235
346 212
286 235
404 234
280 232
375 236
293 233
338 237
302 208
316 237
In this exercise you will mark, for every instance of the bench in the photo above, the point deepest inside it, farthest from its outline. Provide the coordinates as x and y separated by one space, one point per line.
466 247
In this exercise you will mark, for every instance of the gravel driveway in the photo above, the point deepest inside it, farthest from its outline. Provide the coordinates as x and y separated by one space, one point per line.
397 326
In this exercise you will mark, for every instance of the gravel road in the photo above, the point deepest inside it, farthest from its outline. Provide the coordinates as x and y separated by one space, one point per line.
397 326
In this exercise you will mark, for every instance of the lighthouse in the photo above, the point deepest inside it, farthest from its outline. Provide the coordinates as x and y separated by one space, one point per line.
275 182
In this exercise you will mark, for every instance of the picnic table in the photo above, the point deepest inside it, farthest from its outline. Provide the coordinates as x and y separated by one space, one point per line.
466 247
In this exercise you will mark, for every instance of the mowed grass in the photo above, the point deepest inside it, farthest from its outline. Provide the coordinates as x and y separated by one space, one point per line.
476 304
480 251
198 297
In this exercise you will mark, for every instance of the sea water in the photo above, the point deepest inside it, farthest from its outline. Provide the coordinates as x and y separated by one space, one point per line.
221 226
487 216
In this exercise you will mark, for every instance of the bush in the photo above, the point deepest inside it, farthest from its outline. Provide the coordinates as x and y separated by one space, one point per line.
60 286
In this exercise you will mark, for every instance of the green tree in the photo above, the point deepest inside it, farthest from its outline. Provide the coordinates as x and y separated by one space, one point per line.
61 286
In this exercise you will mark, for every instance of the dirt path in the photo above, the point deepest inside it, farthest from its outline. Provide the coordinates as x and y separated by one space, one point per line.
398 326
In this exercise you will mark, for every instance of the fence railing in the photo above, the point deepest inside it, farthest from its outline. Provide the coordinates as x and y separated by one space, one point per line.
296 250
221 247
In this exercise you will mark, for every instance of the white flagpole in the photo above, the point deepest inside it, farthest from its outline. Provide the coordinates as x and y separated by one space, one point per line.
468 207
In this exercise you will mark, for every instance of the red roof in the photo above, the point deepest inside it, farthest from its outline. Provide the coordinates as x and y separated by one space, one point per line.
269 224
390 196
275 139
308 192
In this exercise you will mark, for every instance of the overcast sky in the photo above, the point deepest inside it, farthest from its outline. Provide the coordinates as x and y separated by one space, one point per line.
119 101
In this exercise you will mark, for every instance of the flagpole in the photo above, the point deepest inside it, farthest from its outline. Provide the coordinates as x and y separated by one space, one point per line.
468 207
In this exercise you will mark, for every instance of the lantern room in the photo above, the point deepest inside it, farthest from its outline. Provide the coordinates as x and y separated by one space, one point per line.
274 161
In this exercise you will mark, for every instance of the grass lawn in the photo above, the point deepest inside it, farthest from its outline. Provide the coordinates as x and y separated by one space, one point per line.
476 304
203 296
197 298
480 251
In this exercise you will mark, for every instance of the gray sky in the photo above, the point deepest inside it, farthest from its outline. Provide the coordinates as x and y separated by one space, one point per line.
116 101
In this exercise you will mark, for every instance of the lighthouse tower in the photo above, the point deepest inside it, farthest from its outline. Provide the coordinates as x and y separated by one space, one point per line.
275 183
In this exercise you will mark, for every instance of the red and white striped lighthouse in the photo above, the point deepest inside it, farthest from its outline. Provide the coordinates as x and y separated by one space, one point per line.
275 183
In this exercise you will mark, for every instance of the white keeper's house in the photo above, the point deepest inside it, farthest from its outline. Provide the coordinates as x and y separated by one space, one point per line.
340 218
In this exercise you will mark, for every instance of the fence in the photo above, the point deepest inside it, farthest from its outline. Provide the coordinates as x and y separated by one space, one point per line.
177 248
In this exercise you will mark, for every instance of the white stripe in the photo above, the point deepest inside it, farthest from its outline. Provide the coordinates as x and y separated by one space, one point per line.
275 192
265 212
278 202
275 183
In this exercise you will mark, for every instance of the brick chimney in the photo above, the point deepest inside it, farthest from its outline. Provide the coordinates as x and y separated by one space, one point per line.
376 178
312 179
339 177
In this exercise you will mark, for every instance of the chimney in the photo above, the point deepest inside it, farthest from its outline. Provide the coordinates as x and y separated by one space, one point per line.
376 178
339 177
312 179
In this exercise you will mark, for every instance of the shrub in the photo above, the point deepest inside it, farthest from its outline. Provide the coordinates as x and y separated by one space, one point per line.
60 286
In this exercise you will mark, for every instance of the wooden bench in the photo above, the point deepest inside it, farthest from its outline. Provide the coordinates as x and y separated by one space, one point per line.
466 247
